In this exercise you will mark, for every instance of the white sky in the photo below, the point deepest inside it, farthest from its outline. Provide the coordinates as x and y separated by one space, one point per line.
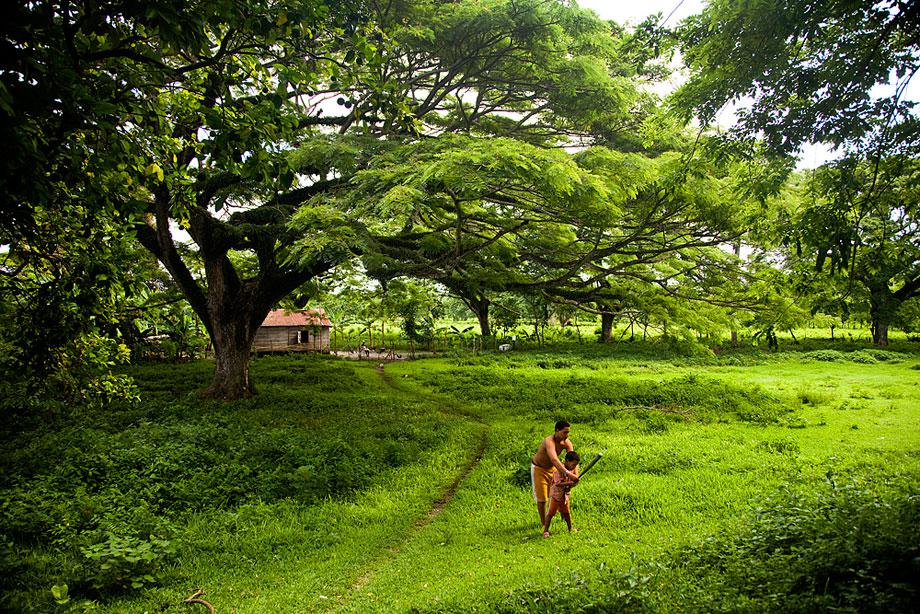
631 12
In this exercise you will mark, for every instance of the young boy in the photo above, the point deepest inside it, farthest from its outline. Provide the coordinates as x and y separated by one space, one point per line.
559 493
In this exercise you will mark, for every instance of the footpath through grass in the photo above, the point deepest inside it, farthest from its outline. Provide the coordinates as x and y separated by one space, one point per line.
734 484
690 452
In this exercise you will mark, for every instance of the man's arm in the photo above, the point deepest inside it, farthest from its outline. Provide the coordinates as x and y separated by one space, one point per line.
550 444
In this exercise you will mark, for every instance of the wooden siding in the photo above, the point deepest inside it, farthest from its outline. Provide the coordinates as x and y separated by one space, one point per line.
285 339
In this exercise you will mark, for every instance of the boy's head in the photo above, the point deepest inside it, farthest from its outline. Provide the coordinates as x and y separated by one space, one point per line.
571 459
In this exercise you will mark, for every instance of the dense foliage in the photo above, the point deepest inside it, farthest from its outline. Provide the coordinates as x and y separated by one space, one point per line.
460 176
96 499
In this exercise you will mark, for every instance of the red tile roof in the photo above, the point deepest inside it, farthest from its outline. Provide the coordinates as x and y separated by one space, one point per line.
307 317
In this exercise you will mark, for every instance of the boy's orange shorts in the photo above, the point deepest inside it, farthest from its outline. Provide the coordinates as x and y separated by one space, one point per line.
542 480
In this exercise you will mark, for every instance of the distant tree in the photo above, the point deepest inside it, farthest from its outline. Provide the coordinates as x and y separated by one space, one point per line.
860 221
418 307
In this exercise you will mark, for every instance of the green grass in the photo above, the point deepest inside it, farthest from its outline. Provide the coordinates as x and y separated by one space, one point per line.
694 446
666 481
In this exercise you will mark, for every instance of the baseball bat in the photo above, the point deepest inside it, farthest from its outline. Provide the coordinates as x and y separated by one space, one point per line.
594 460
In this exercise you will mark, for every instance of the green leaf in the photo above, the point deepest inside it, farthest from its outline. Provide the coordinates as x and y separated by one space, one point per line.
60 593
154 169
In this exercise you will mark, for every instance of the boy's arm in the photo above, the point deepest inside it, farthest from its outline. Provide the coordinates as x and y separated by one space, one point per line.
570 483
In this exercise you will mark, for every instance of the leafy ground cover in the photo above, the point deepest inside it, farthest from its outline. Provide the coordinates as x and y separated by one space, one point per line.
738 482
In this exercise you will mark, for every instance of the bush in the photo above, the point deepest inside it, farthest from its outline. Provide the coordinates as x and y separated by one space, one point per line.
826 355
863 357
882 355
122 563
840 549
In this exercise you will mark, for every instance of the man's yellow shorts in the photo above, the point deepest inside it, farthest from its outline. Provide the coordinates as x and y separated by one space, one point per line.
542 480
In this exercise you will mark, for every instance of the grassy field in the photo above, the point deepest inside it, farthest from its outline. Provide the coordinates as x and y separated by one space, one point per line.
348 487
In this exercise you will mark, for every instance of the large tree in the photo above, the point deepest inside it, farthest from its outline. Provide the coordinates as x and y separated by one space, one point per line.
221 120
859 221
488 183
483 217
106 108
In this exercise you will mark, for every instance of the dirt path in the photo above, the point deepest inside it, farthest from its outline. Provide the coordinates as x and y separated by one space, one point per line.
452 409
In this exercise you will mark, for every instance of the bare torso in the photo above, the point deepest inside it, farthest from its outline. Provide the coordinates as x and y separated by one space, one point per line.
542 457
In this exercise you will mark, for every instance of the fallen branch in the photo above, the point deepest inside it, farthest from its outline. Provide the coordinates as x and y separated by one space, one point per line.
195 599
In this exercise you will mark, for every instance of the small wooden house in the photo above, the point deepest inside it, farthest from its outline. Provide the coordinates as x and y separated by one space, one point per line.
293 331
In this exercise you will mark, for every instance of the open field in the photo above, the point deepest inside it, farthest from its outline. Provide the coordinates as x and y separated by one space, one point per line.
347 487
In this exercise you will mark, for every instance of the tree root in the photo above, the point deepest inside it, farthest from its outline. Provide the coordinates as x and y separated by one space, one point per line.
195 599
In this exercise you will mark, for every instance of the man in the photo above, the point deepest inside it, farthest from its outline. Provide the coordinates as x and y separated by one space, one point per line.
545 461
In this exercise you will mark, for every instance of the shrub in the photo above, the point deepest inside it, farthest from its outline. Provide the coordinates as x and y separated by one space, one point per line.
863 357
781 446
815 397
882 355
840 549
826 355
122 563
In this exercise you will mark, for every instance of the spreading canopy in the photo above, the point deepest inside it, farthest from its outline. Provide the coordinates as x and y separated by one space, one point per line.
803 70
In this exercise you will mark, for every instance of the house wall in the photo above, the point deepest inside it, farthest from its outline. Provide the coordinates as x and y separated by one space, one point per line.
280 339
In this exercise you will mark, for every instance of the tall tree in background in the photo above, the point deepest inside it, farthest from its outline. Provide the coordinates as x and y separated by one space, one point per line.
863 223
807 71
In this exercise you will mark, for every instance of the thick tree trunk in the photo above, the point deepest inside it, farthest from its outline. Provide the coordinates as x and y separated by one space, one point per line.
232 309
232 337
480 307
882 307
606 327
880 332
231 374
